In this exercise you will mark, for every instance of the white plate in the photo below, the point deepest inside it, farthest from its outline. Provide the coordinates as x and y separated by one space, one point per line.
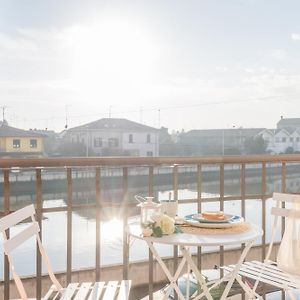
215 225
199 218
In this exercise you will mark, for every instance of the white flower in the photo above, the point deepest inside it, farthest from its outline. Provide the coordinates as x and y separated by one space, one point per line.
157 219
147 231
167 224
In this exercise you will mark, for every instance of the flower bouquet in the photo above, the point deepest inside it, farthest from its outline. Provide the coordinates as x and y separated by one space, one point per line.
161 225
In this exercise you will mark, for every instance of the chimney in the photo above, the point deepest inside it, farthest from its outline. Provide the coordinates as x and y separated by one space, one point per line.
281 117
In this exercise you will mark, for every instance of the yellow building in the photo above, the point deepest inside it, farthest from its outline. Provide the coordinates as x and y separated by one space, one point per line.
21 143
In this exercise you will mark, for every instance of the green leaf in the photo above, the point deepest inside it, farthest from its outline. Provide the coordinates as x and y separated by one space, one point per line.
177 229
157 232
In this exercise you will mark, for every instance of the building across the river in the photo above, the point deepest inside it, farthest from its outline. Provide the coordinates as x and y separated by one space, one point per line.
217 141
15 142
112 136
285 138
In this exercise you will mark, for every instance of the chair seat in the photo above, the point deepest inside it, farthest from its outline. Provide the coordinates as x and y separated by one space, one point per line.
268 273
92 291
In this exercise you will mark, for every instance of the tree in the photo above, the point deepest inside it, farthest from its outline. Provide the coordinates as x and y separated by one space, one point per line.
289 150
255 145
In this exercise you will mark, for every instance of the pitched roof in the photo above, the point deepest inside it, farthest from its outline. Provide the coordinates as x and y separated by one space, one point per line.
8 131
286 122
227 132
114 123
288 131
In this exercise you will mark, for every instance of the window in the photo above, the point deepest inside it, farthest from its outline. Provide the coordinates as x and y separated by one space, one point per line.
113 142
33 143
97 142
149 153
148 138
130 138
284 139
291 139
16 143
277 140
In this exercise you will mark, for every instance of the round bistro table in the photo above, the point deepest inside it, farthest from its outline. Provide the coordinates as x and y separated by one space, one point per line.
186 240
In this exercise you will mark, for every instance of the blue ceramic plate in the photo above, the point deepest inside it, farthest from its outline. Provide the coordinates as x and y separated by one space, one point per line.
228 219
233 221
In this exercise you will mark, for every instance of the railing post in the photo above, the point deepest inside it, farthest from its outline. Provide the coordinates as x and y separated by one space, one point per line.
243 190
263 199
98 223
199 195
151 261
175 191
69 224
39 205
222 209
283 190
6 208
243 201
125 225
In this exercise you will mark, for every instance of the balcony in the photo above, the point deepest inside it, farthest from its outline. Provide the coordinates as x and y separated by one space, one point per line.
84 204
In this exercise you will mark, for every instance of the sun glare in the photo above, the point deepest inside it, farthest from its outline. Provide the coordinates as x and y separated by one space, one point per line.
113 229
110 52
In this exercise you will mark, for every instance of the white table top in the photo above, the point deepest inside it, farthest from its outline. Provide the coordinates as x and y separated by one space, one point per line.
189 239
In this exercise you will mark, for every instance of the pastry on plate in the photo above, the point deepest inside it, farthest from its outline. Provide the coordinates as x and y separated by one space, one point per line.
213 215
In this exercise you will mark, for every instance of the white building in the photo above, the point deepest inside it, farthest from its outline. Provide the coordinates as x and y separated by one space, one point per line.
281 140
286 138
111 136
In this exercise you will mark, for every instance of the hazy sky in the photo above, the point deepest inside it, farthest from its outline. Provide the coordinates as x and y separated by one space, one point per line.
179 64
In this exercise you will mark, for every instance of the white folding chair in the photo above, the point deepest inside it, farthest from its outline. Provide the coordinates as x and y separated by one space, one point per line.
86 290
268 271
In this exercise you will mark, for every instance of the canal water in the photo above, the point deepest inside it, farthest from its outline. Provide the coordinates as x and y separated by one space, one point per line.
54 224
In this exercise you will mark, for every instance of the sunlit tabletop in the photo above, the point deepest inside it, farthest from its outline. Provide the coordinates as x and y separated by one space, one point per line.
191 239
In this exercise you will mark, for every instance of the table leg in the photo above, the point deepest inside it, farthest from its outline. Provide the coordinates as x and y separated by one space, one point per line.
172 279
187 290
193 267
234 273
230 276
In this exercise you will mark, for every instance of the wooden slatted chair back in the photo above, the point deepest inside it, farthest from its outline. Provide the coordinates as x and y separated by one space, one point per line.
285 212
11 243
282 212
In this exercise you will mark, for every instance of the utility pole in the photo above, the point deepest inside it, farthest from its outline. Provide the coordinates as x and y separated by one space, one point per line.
66 112
3 112
159 118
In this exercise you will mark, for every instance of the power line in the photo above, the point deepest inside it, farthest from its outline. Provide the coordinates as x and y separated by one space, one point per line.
159 109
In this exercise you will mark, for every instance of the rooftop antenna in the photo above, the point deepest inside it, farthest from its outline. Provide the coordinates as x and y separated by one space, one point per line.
66 112
3 112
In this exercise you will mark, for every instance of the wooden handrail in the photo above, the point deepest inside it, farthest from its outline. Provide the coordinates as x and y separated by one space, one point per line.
143 161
